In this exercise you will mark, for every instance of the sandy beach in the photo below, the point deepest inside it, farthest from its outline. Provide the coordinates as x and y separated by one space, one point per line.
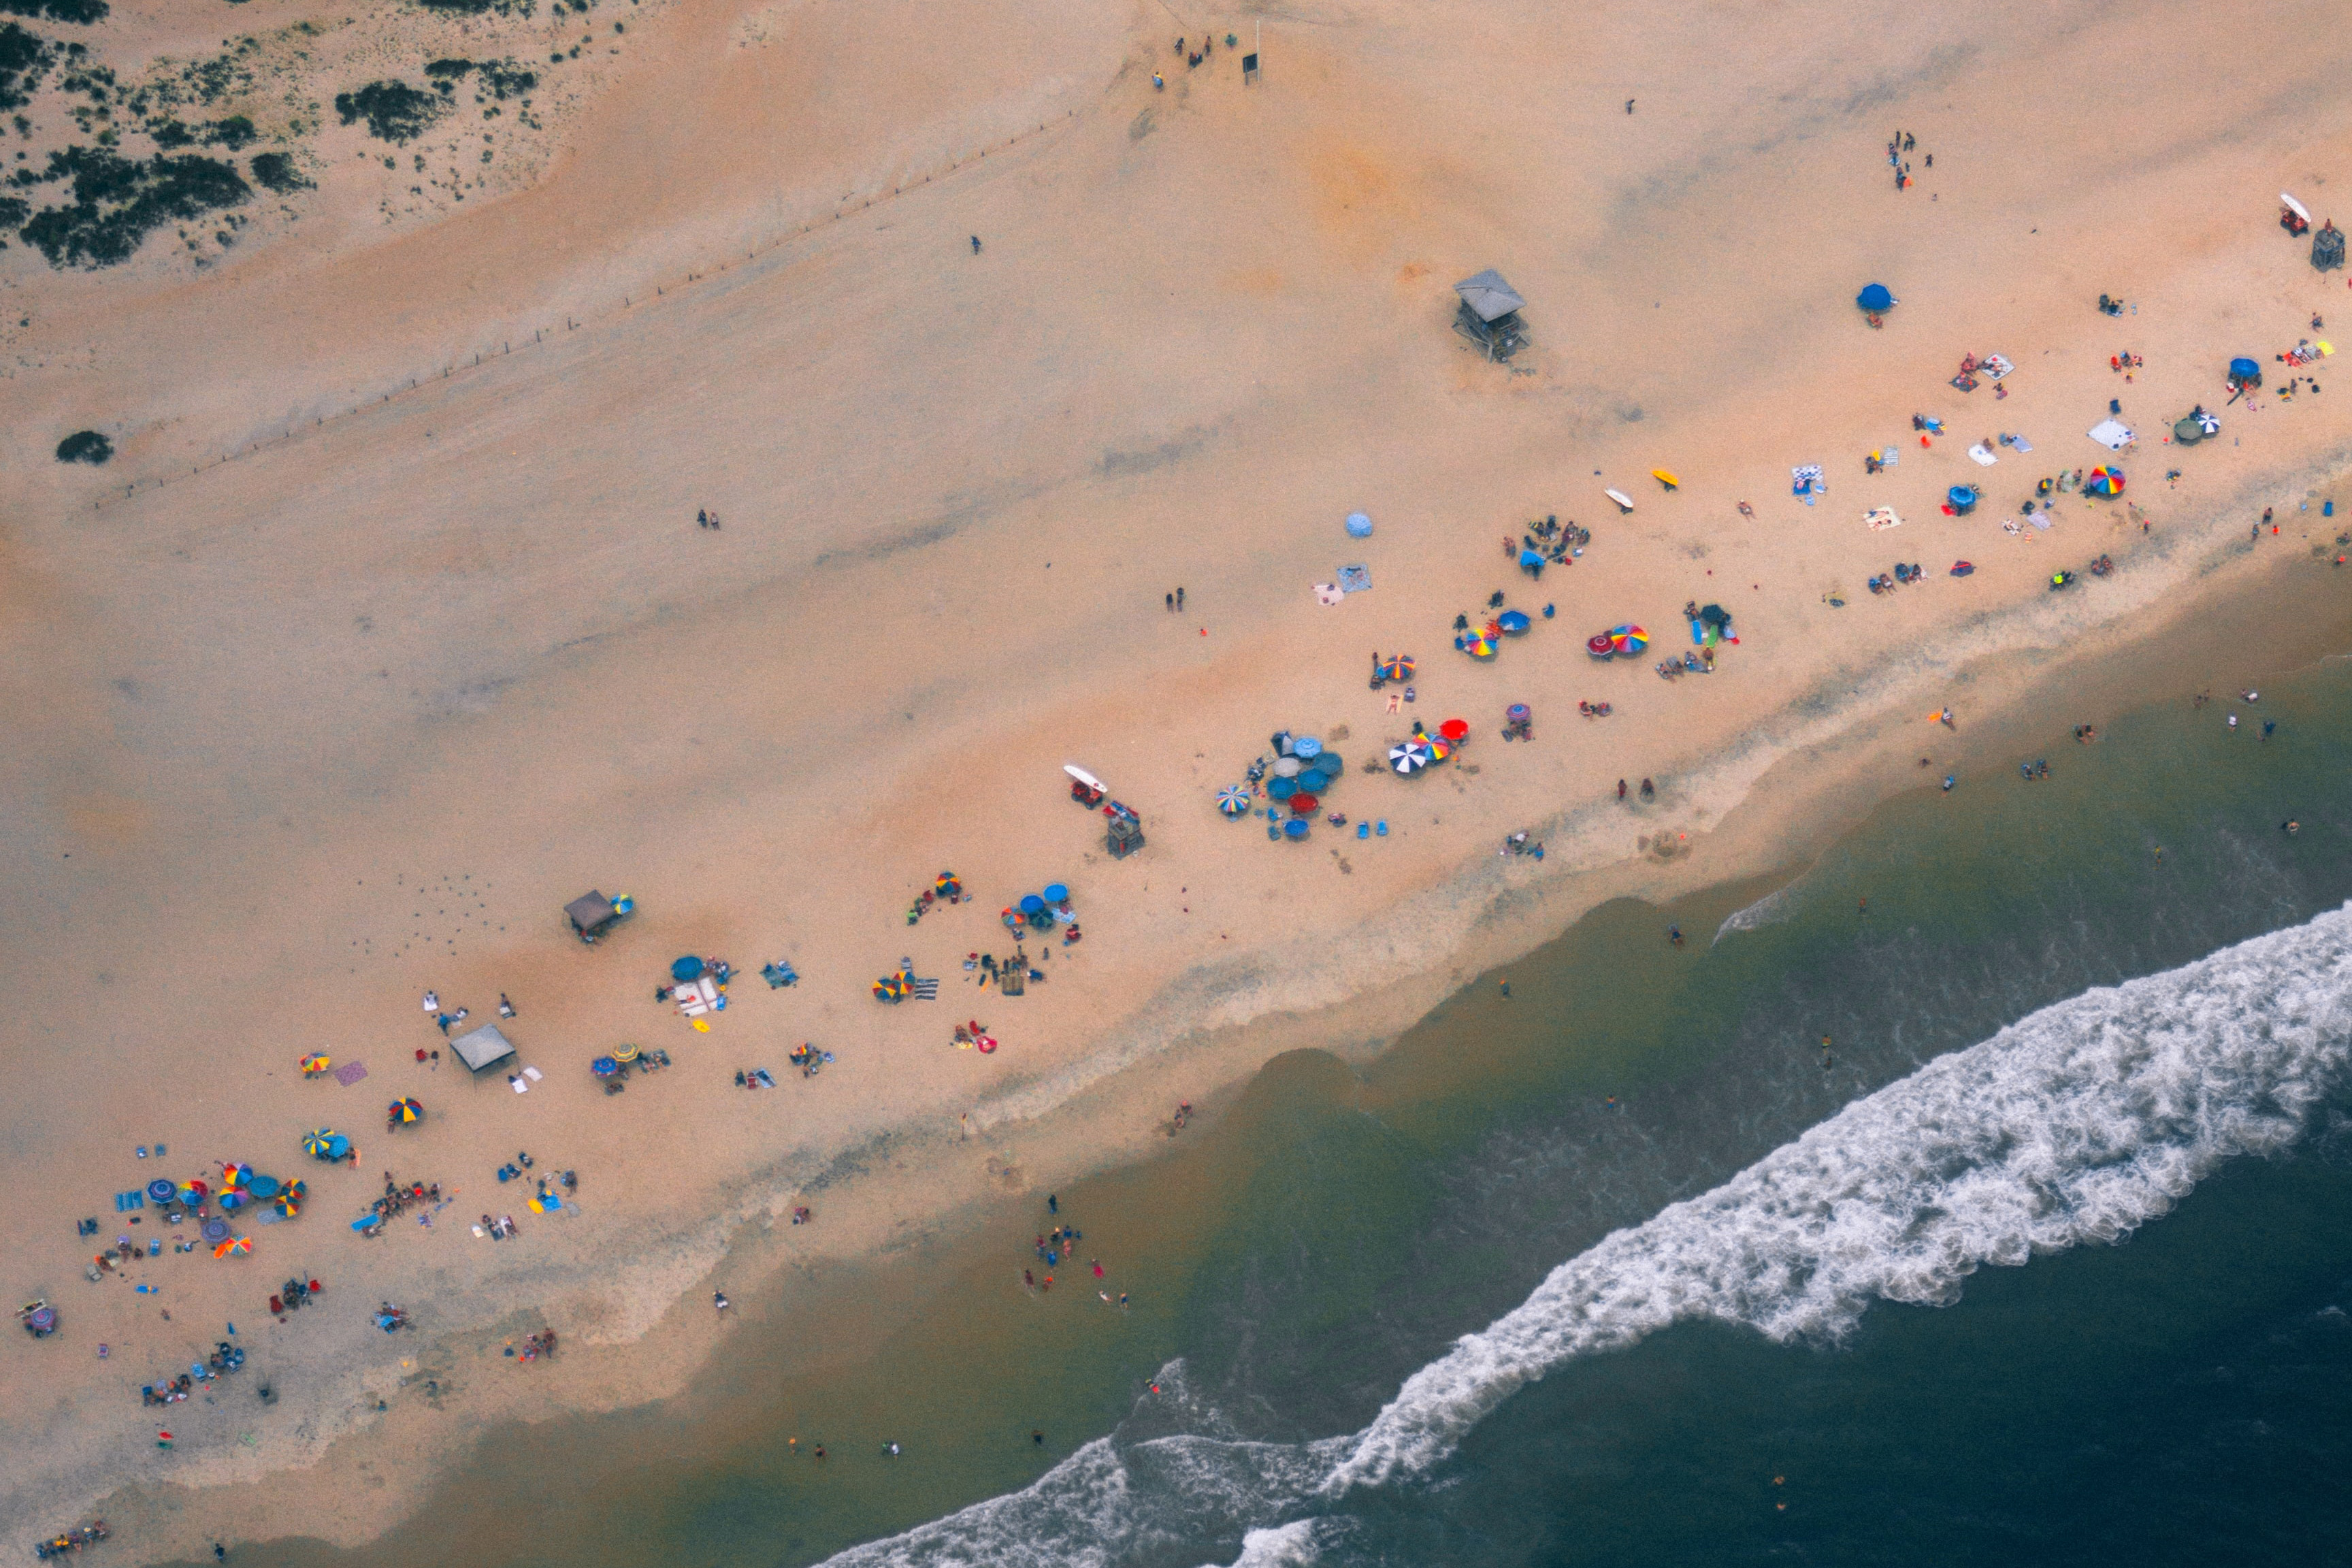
388 627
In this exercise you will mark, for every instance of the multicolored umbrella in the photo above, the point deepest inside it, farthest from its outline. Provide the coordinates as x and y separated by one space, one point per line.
1409 756
234 1244
1440 749
1519 713
1477 645
1232 800
233 1175
893 987
317 1144
193 1192
1397 667
2103 482
946 885
1628 639
314 1063
403 1110
625 1055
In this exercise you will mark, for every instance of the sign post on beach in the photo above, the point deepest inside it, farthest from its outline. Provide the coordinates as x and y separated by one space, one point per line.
1249 60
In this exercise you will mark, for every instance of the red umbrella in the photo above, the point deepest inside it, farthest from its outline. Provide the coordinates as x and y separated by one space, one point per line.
1303 805
1454 728
1599 647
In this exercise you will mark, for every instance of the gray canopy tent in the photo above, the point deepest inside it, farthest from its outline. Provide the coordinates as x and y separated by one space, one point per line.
1489 315
483 1048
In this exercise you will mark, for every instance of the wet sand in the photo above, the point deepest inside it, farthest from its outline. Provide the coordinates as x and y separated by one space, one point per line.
467 644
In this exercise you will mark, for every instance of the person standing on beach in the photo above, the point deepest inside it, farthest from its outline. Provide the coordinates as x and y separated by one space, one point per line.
1621 789
975 245
1171 598
1180 596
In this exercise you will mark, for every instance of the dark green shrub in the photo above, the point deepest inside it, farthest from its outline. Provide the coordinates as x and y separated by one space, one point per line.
394 112
276 170
85 447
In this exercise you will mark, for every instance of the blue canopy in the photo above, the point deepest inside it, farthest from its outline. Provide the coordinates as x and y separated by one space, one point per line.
1055 893
685 969
1874 297
1513 623
1359 526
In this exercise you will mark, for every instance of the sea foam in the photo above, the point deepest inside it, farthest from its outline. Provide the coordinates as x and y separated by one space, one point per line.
2078 1123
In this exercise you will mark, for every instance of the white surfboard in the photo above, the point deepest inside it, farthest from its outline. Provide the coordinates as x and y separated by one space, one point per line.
1624 502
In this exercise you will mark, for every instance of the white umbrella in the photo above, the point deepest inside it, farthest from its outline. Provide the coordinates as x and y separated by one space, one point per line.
2296 207
1409 757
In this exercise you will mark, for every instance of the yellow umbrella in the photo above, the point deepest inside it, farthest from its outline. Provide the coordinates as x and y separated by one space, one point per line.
313 1064
625 1055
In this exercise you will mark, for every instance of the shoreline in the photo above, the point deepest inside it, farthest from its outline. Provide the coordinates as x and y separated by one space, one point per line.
767 1282
352 719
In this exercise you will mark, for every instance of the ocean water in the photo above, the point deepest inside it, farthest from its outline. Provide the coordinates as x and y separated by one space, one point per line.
2046 1252
2044 1256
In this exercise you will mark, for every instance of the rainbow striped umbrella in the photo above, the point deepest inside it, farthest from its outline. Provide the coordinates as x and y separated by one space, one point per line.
1232 800
1628 639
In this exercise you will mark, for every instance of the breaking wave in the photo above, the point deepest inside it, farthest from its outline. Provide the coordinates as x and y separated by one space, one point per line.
2078 1123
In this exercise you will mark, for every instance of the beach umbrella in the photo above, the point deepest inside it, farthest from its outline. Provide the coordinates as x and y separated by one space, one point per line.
1455 730
1408 758
1599 645
946 882
42 1320
1281 788
2104 481
1295 829
625 1055
1397 667
1440 749
1713 615
270 1186
406 1108
1303 805
288 1204
685 969
1477 645
230 1201
1359 526
1511 623
338 1146
1288 767
1628 639
1055 893
315 1064
1306 746
1531 558
233 1175
1874 297
2245 372
606 1067
1517 713
234 1244
1330 765
1032 904
316 1144
1232 800
159 1191
213 1229
193 1192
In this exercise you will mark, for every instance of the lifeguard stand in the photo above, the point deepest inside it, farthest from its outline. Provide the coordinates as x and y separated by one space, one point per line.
2328 246
1125 838
1489 315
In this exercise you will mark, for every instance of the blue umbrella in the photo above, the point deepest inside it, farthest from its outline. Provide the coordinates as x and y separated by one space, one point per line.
1031 904
1306 746
338 1146
1295 829
1962 497
685 969
2245 370
264 1186
1531 558
160 1191
1359 526
1055 893
1874 297
1513 623
1280 788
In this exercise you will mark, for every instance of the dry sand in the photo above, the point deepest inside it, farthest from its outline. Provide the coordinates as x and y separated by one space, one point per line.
298 734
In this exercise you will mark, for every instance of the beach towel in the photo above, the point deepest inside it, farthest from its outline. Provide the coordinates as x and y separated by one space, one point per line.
1355 579
2112 436
1984 456
1882 516
531 1073
350 1073
2017 443
521 1087
1995 367
1328 594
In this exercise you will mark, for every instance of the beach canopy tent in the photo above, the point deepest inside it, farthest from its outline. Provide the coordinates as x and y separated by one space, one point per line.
591 912
1490 314
484 1047
1875 298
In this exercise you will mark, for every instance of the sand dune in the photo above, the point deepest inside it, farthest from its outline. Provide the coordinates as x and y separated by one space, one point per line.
352 713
